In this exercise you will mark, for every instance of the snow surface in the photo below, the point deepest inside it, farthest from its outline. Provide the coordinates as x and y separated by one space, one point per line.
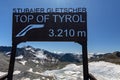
2 73
36 79
25 79
30 70
17 72
35 61
29 48
105 70
40 55
22 62
70 72
19 57
101 70
8 53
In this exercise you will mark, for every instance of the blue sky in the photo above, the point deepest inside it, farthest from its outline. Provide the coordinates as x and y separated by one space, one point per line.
103 24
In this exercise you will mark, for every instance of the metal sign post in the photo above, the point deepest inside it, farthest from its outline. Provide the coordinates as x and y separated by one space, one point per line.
50 26
85 61
12 62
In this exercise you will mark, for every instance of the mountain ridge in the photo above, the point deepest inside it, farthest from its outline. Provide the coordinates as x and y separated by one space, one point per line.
31 52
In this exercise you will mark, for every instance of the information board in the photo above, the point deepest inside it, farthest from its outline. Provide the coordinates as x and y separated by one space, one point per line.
50 26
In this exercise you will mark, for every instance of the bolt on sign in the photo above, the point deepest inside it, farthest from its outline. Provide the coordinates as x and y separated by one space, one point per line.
51 24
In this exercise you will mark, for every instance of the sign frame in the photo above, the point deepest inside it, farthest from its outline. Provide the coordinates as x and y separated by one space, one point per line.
17 39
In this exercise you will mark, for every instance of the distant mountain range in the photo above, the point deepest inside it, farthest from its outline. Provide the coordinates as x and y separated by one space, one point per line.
30 52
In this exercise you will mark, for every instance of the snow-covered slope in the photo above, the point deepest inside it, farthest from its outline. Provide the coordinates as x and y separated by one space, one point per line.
32 52
19 57
105 70
40 55
101 70
70 72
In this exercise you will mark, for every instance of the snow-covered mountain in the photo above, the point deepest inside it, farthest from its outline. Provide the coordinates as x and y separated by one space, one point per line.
29 52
